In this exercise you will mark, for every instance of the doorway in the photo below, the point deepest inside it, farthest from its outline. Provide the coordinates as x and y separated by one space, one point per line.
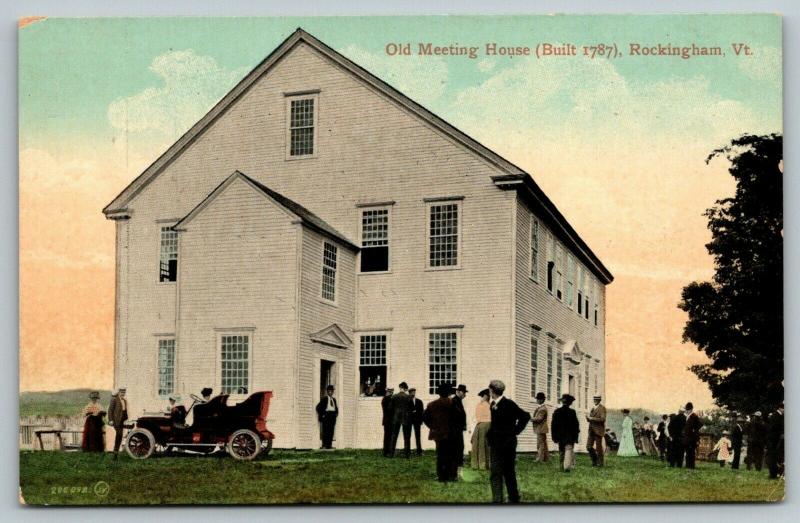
327 376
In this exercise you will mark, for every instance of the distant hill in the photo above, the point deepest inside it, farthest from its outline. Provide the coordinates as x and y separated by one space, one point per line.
57 403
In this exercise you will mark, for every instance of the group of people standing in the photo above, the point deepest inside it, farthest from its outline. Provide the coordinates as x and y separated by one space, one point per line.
93 434
764 440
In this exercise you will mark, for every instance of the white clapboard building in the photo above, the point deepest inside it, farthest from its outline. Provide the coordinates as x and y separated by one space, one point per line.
319 227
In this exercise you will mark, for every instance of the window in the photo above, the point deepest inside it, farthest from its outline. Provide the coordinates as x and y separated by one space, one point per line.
441 359
596 304
586 296
581 292
372 365
550 356
168 266
443 235
166 367
534 359
559 283
534 249
329 272
235 363
551 264
559 372
596 377
570 281
374 240
586 382
301 127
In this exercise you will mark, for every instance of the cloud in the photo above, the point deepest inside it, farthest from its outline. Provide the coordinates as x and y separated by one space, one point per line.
486 65
190 85
764 64
421 78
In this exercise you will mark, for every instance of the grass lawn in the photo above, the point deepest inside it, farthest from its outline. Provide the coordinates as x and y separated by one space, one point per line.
364 476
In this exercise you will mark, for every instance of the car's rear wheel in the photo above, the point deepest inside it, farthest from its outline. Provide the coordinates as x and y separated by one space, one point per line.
140 444
244 445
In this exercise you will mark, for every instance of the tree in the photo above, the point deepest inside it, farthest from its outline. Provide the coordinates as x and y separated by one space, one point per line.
737 318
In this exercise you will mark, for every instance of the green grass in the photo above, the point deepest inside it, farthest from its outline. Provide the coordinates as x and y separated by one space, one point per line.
361 476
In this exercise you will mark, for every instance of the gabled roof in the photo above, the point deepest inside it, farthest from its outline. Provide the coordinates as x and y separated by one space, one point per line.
307 217
117 206
332 335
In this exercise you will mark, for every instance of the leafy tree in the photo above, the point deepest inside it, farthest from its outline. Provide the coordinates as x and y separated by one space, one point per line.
737 318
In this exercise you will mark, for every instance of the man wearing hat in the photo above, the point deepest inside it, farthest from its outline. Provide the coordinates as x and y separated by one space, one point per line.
540 428
402 407
675 429
327 412
117 415
416 418
440 417
756 440
458 402
737 437
386 420
508 421
565 430
597 429
691 435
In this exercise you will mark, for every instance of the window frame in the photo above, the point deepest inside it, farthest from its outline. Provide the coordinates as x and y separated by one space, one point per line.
250 334
289 98
387 342
569 289
429 203
361 210
441 330
536 332
159 339
558 280
551 356
533 252
322 297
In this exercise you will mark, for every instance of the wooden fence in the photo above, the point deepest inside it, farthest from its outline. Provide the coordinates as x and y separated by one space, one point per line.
29 424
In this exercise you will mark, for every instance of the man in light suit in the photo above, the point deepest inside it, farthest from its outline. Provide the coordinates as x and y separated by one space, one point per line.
541 428
327 412
508 420
597 429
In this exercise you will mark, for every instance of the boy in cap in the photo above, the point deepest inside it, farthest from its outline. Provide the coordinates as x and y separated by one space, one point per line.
565 431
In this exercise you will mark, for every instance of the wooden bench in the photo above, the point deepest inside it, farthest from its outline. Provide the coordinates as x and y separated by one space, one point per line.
57 433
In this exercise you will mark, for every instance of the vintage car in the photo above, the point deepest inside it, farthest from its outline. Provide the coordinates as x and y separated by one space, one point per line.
240 429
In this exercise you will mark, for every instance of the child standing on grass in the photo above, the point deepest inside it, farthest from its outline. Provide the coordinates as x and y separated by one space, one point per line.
723 448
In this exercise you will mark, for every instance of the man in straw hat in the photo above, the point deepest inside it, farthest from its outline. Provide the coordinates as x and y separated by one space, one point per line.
565 430
597 429
117 416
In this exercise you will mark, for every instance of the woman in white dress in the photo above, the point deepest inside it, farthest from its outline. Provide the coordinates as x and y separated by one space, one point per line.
627 447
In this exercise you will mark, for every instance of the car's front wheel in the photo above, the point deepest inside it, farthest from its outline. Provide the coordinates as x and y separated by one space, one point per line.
244 445
140 444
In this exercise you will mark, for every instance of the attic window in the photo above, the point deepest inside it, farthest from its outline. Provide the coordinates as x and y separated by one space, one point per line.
375 240
302 126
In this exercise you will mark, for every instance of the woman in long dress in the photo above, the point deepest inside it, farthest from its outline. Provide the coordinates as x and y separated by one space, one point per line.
480 443
647 438
627 447
92 440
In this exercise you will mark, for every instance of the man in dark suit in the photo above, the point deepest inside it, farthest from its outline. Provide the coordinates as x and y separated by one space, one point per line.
775 444
691 435
402 407
662 437
508 420
416 418
737 435
117 416
675 428
458 402
386 420
440 417
756 440
565 430
327 412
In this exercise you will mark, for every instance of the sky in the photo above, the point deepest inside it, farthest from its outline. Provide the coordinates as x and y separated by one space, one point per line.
618 144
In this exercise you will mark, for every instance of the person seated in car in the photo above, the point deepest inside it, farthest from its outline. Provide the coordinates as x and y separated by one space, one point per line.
206 393
177 413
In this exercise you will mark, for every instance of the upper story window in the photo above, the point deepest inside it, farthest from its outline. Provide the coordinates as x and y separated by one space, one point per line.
570 289
534 249
589 290
302 125
581 288
372 364
596 303
559 278
375 239
168 264
329 271
443 234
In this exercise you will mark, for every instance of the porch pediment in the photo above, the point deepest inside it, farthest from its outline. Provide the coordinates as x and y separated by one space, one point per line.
332 335
572 352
